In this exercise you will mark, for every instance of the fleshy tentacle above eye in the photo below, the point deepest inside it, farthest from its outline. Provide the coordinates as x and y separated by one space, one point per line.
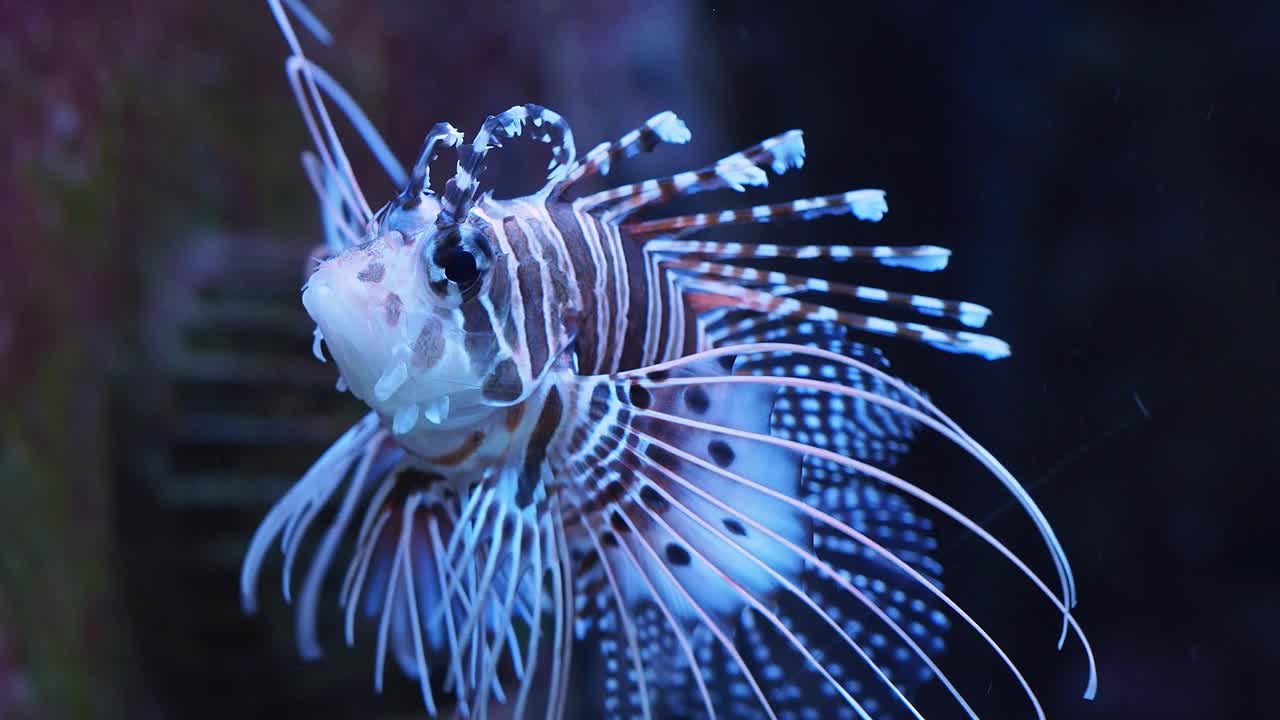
545 125
419 179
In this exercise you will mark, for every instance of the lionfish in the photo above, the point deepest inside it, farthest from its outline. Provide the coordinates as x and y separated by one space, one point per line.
585 426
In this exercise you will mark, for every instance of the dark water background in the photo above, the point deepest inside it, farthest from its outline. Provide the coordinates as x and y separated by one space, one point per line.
1106 173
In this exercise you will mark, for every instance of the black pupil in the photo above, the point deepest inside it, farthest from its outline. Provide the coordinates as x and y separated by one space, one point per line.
460 266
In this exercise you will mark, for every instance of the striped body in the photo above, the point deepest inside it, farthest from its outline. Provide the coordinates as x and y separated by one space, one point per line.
571 271
591 430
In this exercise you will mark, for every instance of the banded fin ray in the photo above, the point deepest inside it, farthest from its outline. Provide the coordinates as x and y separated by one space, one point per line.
924 258
782 284
862 204
736 172
665 127
956 341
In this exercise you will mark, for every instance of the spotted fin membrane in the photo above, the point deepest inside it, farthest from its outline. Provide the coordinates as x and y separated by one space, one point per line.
860 430
827 606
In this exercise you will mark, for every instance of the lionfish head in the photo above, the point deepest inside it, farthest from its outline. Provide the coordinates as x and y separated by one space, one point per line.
409 318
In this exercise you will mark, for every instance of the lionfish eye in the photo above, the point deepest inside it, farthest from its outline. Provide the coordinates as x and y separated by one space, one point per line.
459 265
457 258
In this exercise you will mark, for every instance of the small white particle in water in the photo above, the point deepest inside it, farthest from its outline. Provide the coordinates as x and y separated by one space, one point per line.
1141 406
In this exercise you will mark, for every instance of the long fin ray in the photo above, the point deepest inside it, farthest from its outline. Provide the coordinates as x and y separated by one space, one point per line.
957 341
320 480
868 204
782 284
924 258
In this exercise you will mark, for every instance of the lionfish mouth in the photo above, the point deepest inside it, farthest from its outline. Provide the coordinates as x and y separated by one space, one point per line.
706 506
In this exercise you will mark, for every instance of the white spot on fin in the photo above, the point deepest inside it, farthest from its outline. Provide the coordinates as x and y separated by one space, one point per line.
973 315
868 204
987 347
669 128
788 154
927 259
739 172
